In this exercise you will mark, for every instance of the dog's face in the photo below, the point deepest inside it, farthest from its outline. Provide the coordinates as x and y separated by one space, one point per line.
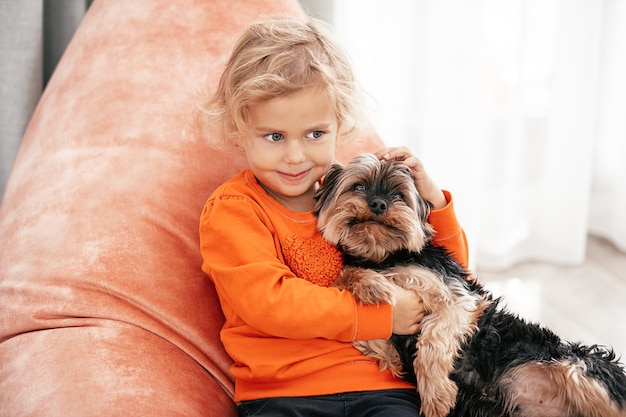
371 208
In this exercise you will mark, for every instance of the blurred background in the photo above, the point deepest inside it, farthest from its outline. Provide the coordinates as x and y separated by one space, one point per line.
516 106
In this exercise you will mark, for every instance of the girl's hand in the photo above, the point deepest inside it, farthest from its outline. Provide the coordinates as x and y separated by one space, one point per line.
425 185
408 312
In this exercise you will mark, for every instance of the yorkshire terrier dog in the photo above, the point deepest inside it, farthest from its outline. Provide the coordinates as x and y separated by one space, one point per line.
472 357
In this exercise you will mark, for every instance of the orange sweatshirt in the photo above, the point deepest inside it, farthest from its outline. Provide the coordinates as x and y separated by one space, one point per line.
288 332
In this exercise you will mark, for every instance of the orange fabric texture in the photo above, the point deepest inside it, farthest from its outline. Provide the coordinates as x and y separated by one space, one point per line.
104 308
277 304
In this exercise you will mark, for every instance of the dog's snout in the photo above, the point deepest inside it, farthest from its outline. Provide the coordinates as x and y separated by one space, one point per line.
378 205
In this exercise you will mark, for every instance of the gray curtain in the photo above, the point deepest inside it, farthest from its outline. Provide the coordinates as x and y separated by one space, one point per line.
33 36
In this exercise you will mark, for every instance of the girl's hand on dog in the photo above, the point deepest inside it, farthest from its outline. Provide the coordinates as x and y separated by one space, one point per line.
408 312
425 185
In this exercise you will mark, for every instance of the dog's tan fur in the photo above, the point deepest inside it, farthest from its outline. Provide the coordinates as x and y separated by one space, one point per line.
450 315
562 388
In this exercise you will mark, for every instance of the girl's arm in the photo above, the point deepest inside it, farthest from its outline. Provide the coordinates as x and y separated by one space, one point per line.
259 291
448 231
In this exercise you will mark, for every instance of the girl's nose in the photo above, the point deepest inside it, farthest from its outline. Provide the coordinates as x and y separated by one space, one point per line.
294 152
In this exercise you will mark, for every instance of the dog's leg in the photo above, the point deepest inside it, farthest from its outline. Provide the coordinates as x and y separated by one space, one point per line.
371 287
557 389
452 315
367 285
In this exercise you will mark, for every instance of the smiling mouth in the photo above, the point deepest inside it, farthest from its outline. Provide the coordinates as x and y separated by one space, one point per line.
294 177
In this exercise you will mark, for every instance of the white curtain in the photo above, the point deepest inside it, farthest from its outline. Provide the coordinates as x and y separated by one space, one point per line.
516 106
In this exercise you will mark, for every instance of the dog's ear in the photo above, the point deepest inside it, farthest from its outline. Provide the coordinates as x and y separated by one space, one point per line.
424 208
328 189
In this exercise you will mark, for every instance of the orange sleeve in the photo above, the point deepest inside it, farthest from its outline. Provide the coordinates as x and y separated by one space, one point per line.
448 231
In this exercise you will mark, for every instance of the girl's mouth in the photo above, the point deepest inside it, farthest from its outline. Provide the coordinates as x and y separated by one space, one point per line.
294 177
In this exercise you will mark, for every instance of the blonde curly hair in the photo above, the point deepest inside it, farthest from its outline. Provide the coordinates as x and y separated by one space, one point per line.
276 57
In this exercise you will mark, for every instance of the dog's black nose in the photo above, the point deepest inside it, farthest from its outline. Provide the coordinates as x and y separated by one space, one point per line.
378 205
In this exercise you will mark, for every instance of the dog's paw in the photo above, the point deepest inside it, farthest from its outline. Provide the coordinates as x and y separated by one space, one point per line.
367 285
442 403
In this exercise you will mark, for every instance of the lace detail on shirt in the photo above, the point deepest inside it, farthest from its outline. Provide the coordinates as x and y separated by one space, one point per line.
317 261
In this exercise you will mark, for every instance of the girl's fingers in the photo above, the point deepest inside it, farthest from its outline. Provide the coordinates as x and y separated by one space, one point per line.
394 153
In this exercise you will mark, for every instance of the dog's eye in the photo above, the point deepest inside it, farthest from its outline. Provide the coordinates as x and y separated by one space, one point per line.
358 187
397 197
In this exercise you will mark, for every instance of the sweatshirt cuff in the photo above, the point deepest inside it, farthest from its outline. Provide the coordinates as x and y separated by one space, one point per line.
444 221
374 321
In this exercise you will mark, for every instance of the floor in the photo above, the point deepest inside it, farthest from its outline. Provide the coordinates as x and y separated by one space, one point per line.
584 303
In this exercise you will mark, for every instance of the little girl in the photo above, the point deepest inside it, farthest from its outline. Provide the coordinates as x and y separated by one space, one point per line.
288 98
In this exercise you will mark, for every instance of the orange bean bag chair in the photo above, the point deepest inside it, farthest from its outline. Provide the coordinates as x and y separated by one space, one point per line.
104 310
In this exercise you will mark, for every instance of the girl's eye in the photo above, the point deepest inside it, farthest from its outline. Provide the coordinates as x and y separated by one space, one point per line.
316 134
273 137
358 187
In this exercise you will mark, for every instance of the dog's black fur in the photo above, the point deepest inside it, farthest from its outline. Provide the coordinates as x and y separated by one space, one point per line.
503 341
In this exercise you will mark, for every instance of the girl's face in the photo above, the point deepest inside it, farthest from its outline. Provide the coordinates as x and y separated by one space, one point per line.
290 145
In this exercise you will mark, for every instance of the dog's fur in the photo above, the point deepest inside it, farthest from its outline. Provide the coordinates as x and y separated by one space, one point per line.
472 357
